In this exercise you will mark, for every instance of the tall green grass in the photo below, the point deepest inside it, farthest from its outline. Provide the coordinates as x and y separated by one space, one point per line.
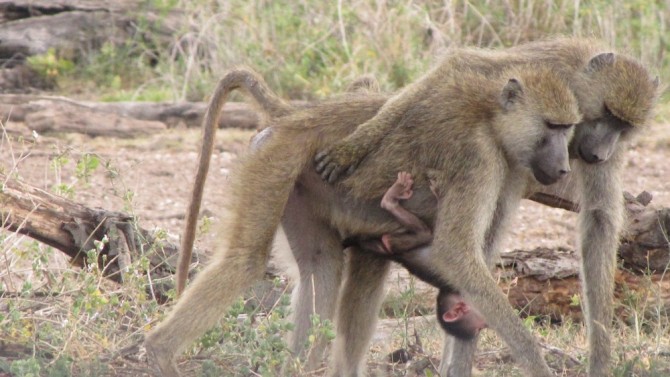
310 48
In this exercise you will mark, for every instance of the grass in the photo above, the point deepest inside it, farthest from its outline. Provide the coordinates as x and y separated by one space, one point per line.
57 320
310 49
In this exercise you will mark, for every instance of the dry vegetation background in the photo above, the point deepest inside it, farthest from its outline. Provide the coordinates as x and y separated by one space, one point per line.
59 320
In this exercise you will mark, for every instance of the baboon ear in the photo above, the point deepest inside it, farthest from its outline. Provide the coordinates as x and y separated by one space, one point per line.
456 312
511 94
451 316
600 61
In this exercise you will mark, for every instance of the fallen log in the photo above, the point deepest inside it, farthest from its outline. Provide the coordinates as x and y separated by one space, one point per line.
68 33
11 10
74 230
545 283
66 117
645 244
33 110
73 28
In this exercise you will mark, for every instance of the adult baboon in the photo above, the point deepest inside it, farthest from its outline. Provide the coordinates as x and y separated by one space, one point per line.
272 106
303 231
481 135
616 97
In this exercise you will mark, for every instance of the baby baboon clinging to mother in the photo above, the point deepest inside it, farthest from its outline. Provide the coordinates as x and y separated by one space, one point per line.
480 135
409 247
616 95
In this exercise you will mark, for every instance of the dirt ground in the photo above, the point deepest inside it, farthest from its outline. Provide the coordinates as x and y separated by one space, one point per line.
158 171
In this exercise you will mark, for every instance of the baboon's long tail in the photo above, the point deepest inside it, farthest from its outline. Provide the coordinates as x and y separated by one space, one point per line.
251 82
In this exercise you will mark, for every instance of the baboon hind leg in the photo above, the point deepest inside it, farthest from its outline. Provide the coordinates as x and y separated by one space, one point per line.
203 303
320 258
243 250
358 308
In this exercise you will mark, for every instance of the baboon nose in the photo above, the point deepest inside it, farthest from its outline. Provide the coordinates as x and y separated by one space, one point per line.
563 172
596 158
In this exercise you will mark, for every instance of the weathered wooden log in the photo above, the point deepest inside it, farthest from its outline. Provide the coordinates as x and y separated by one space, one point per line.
19 107
65 117
73 229
76 27
545 282
68 33
11 10
73 29
645 245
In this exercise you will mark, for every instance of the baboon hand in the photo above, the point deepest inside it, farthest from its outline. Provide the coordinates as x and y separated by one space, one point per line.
331 162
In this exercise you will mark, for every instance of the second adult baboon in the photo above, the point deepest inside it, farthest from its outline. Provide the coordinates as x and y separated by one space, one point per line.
616 103
480 135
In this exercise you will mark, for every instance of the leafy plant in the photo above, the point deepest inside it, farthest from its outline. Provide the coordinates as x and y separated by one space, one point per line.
49 65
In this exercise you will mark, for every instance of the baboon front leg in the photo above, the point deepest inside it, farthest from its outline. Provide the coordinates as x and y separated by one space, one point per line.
358 308
458 355
320 258
460 234
344 156
600 222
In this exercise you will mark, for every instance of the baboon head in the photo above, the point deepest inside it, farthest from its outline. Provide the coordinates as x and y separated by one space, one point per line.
541 109
617 98
457 317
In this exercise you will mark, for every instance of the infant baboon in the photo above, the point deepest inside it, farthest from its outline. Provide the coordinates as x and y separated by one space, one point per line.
407 247
616 95
481 135
415 233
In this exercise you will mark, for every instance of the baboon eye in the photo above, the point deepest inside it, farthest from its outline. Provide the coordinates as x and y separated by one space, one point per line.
556 126
615 121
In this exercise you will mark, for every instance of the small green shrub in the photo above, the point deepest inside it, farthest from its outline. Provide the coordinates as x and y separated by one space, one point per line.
49 66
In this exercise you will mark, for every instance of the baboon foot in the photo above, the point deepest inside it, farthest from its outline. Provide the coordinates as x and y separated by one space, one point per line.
161 362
